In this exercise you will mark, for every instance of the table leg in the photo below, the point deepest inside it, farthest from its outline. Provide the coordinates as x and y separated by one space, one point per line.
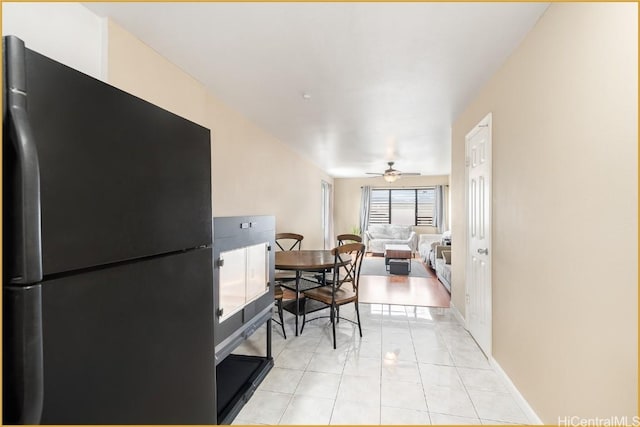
298 273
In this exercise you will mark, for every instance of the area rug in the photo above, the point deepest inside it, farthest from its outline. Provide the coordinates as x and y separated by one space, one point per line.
374 266
421 288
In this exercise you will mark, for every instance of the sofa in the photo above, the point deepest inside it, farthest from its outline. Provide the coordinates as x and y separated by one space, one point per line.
427 244
424 246
435 251
379 235
443 265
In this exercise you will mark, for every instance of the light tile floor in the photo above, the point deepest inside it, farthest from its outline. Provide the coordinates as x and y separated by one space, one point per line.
413 365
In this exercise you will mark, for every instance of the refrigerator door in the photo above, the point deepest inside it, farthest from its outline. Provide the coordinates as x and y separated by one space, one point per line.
120 178
131 344
22 386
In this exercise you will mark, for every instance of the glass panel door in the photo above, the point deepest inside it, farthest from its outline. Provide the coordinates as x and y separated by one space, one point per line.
232 281
244 276
257 271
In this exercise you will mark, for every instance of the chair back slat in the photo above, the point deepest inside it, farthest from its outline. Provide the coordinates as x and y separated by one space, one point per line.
353 254
345 238
289 241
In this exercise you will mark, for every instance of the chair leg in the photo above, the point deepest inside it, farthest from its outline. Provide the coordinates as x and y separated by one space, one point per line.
304 314
358 316
281 318
338 314
333 325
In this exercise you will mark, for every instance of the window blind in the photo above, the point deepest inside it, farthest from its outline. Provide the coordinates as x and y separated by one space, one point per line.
403 206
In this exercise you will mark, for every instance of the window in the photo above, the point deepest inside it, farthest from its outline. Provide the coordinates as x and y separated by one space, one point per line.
403 206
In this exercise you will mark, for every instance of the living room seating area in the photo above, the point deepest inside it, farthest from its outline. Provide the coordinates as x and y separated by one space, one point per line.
379 235
424 245
435 251
442 254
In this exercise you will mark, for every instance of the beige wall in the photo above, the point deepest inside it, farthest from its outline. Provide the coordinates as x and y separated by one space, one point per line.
67 32
253 172
347 194
139 70
565 284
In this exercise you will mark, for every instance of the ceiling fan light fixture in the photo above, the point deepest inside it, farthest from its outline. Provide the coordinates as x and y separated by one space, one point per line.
390 177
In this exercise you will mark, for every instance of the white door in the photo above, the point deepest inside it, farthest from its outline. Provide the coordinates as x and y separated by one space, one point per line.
478 286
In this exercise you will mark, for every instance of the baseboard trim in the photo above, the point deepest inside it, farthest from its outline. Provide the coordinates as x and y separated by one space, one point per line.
520 400
456 313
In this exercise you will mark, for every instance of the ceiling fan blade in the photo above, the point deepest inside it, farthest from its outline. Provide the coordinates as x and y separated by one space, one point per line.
393 172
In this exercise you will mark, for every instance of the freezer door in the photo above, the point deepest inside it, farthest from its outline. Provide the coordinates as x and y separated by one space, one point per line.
131 344
120 178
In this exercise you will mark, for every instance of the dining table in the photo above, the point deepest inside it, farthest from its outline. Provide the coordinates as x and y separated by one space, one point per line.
312 261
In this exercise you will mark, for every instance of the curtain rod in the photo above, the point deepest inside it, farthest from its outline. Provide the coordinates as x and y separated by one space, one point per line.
407 186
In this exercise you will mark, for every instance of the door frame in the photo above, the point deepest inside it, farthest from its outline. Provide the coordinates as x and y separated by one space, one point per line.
487 121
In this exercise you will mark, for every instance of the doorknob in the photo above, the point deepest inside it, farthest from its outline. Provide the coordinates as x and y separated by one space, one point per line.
483 251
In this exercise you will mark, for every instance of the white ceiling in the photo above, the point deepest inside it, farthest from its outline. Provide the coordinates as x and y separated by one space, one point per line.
386 80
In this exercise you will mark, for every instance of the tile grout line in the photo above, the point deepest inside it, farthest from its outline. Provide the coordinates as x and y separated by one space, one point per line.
335 400
290 398
424 392
455 365
381 363
380 374
449 345
466 390
482 390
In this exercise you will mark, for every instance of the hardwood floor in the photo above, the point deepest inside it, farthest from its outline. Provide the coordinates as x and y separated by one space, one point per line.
404 290
400 290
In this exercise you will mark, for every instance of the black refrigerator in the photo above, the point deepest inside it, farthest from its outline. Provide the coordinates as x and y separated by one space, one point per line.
107 253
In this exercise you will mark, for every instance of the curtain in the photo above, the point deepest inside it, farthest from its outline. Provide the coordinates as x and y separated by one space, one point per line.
327 217
365 203
446 219
439 220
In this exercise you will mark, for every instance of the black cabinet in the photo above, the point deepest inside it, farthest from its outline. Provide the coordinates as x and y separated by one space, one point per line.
243 274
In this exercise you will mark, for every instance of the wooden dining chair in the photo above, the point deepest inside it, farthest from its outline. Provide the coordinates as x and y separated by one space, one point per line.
285 242
348 238
278 295
343 239
348 256
289 241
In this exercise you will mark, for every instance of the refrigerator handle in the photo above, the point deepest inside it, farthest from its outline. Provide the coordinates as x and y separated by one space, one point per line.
28 228
23 375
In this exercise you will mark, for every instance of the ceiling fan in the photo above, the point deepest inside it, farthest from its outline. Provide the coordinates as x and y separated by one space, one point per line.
391 174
